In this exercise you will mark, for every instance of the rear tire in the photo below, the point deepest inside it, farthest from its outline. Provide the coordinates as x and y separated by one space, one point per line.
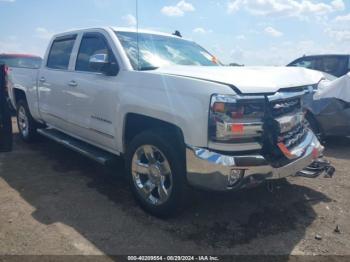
156 170
26 124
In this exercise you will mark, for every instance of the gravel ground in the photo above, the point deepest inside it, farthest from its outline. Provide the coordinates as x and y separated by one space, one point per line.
55 202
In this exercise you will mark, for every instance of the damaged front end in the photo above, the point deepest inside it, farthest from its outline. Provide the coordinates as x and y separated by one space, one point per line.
285 128
274 122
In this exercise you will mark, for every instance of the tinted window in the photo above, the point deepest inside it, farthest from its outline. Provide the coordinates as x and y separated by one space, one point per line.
60 53
92 45
304 62
334 65
21 62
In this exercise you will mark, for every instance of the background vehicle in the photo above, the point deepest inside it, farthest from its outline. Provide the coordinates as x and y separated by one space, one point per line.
177 116
329 108
336 65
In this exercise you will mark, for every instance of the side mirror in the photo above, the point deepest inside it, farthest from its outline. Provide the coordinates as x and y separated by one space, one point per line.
101 63
98 61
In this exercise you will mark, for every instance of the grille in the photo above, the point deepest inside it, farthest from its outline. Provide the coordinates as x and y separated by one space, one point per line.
293 136
283 107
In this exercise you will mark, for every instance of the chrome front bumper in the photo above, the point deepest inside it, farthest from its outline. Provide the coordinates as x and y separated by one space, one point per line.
210 170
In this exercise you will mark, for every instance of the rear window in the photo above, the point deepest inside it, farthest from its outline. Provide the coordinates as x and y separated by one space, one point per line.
21 62
60 53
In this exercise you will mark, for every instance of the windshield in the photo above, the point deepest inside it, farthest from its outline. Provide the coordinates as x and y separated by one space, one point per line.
157 51
21 62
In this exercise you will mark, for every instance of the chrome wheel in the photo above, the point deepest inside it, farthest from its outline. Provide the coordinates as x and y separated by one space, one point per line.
23 122
152 175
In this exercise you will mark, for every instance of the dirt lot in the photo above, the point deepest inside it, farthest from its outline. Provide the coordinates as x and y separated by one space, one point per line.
54 201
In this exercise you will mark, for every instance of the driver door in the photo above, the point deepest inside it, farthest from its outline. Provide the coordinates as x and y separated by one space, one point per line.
93 94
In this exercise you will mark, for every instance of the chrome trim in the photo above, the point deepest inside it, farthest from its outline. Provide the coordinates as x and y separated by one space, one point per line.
285 95
210 170
234 146
300 149
288 122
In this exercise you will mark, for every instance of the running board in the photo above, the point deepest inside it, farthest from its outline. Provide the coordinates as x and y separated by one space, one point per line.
90 151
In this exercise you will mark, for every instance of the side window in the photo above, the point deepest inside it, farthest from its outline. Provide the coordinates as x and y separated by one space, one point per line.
60 53
334 65
92 44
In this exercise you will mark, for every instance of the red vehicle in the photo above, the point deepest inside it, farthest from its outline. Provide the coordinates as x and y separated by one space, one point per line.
21 60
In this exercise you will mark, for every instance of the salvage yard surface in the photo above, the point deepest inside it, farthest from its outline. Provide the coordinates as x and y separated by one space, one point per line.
54 201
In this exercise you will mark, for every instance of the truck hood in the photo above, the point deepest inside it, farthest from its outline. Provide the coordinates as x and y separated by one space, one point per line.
249 79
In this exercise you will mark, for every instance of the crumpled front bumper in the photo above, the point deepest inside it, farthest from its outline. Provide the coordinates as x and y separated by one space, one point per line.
210 170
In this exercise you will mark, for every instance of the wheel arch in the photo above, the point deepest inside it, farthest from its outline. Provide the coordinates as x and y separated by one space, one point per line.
18 94
135 123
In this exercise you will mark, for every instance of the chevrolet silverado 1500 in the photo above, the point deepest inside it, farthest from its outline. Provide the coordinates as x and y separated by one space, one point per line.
166 105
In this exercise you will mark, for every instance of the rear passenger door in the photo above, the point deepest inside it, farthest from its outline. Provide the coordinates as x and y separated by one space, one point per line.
53 81
94 95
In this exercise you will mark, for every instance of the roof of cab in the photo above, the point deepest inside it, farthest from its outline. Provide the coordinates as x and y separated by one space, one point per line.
118 29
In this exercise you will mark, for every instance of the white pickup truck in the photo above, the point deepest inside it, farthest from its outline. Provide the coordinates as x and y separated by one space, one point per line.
177 116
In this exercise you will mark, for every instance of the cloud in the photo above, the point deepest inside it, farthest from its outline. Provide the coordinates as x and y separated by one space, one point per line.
185 7
343 18
286 8
240 37
339 35
43 33
8 1
179 9
130 20
201 30
338 5
272 32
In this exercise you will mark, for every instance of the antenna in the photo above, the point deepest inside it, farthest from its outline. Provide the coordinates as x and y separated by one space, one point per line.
137 34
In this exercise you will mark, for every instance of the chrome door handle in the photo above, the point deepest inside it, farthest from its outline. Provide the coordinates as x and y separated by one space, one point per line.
42 79
73 83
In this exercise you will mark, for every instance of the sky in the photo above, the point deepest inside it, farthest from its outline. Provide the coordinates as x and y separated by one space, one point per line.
249 32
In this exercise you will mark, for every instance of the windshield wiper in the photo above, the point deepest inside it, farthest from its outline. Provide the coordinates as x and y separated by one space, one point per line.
146 68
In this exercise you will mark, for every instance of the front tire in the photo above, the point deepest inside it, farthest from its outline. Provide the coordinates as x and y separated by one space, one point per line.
26 124
155 166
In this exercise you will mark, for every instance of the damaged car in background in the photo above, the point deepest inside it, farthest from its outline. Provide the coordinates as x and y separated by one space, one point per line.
328 109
